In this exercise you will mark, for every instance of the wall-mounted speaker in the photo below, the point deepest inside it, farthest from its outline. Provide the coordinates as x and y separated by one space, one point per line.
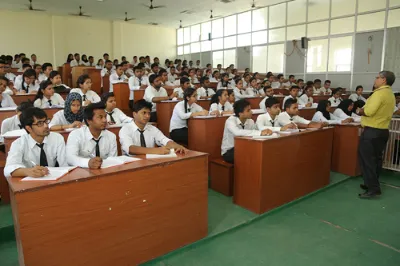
304 43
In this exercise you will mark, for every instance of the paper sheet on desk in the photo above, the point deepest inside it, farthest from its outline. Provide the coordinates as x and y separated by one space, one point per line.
115 161
15 133
171 154
289 131
273 136
8 108
55 174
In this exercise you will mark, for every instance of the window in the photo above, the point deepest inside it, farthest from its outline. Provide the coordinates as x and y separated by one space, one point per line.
195 47
297 11
394 18
317 55
205 30
230 25
260 19
260 59
259 37
318 10
218 58
244 22
277 35
217 28
180 36
206 46
195 33
342 25
343 7
217 44
186 35
186 49
229 42
229 57
296 32
275 58
277 15
340 54
373 21
244 39
370 5
318 29
180 50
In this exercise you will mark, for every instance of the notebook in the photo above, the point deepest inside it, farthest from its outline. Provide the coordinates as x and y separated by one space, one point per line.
171 154
115 161
55 173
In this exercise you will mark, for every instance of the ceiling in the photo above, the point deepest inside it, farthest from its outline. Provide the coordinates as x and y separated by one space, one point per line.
199 10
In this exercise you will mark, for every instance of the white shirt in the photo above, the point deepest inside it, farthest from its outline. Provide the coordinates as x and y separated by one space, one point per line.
58 119
10 76
92 96
264 121
151 92
31 87
304 99
7 100
42 77
129 72
99 67
234 129
119 117
75 63
179 91
80 146
134 84
325 90
275 85
334 102
10 124
220 87
284 100
104 71
24 151
262 103
193 80
252 91
16 65
284 119
129 135
227 107
342 115
214 80
114 79
172 78
319 117
202 92
56 100
317 91
354 97
239 94
179 117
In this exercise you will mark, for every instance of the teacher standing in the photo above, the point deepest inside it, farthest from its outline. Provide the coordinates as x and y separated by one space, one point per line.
375 120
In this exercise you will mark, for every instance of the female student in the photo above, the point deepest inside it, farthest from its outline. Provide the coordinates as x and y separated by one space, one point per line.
257 77
357 106
70 57
224 83
231 97
306 98
5 99
239 91
100 64
88 96
192 76
219 103
55 79
182 112
114 115
323 114
335 99
28 84
344 110
246 80
358 95
46 97
253 90
215 76
85 60
13 123
71 116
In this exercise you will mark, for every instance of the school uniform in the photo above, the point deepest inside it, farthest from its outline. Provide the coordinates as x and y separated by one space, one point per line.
202 92
334 102
245 84
42 77
149 94
234 128
262 103
317 91
10 76
75 63
264 121
221 86
10 124
179 91
81 145
105 71
214 80
59 119
178 126
284 100
90 95
326 91
239 94
7 100
114 79
25 150
172 78
275 85
99 67
16 65
355 97
55 100
118 117
221 108
304 100
27 88
333 120
284 118
252 92
342 115
130 135
193 80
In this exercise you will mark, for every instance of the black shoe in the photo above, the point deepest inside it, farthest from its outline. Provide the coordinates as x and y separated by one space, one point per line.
362 186
369 195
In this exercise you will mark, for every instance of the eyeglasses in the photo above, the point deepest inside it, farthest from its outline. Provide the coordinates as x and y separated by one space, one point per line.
41 123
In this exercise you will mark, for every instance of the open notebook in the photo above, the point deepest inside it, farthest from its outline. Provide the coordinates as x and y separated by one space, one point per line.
115 161
55 174
171 154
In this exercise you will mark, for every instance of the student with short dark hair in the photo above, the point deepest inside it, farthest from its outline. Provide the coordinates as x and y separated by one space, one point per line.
77 61
215 76
317 86
327 87
84 83
71 116
164 79
46 70
293 92
335 100
137 82
90 63
24 61
114 115
269 119
323 114
185 84
88 146
31 154
204 92
55 79
358 94
13 123
46 97
5 99
253 90
239 125
219 104
117 77
269 92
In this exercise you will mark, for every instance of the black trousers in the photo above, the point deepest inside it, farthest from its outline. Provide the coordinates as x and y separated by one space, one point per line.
370 152
153 117
229 155
180 135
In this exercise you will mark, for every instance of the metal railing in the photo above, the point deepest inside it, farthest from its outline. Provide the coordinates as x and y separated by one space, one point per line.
391 158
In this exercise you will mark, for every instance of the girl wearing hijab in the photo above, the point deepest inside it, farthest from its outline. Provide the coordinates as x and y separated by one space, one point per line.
71 116
344 110
323 114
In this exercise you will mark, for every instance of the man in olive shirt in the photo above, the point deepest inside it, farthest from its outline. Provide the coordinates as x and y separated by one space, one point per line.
375 119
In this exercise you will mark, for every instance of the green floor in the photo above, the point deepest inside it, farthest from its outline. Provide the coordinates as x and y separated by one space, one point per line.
330 227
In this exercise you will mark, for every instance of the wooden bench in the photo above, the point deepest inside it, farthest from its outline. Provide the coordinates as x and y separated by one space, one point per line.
221 175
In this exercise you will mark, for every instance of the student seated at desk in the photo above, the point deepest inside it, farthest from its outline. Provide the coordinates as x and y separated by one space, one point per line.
71 116
28 83
182 112
356 108
231 96
55 79
30 154
88 96
317 87
345 110
326 89
215 76
204 92
192 76
306 98
46 70
291 115
172 76
253 90
358 95
293 92
164 79
219 102
100 64
107 70
137 82
5 99
46 97
224 83
239 90
185 84
269 92
139 137
89 145
335 100
77 61
114 115
117 77
246 80
269 119
323 114
13 123
239 125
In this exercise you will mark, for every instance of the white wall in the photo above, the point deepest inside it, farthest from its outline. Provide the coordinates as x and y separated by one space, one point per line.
54 37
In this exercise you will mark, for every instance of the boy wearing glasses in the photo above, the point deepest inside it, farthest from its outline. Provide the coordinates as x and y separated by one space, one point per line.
30 154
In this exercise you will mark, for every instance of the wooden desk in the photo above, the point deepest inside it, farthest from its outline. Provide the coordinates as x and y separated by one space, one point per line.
139 94
307 113
4 191
9 113
346 139
106 84
283 91
77 72
281 170
125 215
254 102
18 99
121 93
95 75
66 75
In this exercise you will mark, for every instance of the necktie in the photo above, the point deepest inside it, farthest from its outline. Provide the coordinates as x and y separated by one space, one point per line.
223 107
255 91
140 82
119 78
207 92
0 104
291 119
84 97
272 122
242 125
111 117
188 110
49 101
97 146
43 158
142 140
27 88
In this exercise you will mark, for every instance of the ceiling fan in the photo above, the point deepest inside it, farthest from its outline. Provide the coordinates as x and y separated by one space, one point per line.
253 5
80 14
151 7
126 17
211 16
30 7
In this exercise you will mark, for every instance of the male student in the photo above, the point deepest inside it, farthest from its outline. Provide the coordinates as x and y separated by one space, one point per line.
269 92
135 61
13 123
172 76
327 87
106 57
139 137
155 93
117 77
16 62
90 63
5 99
291 115
147 63
30 154
5 69
46 69
292 80
269 119
204 92
293 92
198 65
77 61
239 125
165 82
317 87
154 69
88 146
185 83
107 70
25 61
34 60
137 82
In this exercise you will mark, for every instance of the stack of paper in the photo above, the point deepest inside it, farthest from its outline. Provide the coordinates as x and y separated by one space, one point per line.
115 161
55 173
171 154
